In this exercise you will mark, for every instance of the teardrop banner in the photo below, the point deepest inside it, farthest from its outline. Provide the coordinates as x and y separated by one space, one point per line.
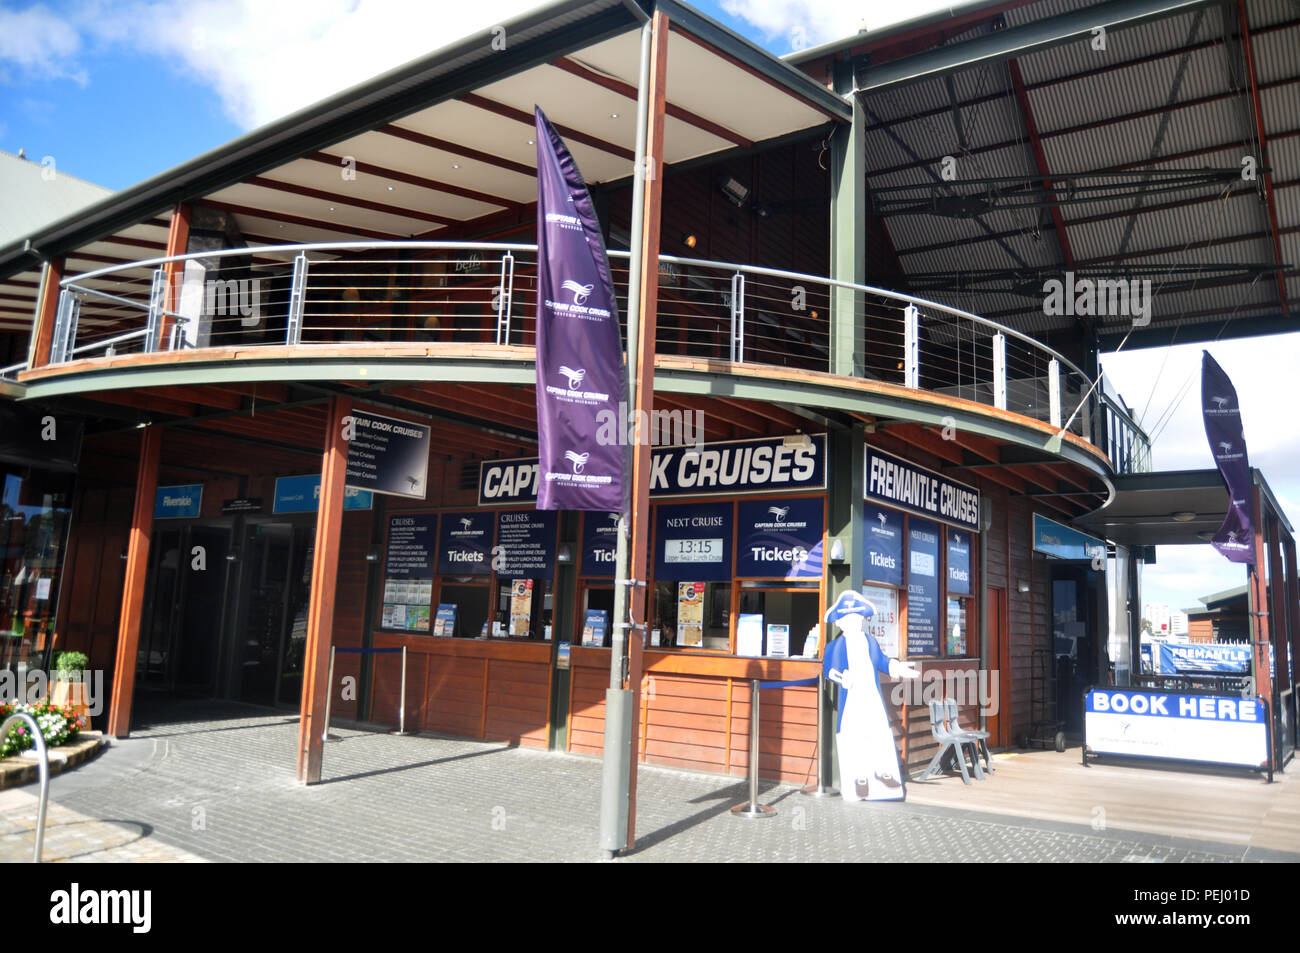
1222 415
580 378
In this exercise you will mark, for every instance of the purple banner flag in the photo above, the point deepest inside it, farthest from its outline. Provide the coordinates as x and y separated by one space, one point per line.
580 378
1222 415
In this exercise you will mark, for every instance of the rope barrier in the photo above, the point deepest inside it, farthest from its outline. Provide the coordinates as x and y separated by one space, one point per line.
790 684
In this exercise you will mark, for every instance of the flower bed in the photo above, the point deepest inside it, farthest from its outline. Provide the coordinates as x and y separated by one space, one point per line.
59 726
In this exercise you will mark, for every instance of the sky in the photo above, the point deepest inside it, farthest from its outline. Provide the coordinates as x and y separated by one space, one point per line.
117 92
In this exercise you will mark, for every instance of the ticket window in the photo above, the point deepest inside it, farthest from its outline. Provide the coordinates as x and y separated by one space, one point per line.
776 622
471 602
600 599
523 609
958 628
691 615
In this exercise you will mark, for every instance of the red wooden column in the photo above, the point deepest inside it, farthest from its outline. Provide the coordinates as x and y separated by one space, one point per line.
645 376
137 567
178 242
46 311
324 582
1258 603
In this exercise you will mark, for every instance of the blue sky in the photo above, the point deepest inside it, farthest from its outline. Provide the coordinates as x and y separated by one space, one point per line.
117 92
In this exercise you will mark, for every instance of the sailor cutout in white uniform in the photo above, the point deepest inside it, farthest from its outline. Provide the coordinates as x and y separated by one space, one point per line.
864 742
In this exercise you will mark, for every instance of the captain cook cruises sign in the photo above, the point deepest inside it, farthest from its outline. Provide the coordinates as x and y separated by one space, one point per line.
905 486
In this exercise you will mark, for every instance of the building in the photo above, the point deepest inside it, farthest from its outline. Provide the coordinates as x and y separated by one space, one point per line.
881 389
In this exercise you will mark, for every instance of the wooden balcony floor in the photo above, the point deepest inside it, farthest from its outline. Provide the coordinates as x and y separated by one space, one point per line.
1208 804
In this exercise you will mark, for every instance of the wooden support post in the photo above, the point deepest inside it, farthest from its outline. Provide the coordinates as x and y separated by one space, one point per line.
324 581
137 568
645 377
178 242
1258 604
47 309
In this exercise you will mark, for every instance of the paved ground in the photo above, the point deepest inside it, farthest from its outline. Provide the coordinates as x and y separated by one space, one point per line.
222 789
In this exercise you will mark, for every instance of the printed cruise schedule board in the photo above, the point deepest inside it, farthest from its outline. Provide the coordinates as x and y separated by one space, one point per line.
883 626
958 562
465 544
923 620
386 455
408 571
896 482
729 467
599 543
882 531
1215 729
527 541
693 541
780 538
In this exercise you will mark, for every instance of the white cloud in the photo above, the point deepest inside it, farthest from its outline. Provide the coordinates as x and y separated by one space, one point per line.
264 60
804 23
36 42
1263 371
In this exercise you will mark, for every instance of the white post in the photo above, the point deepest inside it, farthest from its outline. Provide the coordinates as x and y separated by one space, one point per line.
911 347
1000 371
1054 391
329 697
738 317
401 707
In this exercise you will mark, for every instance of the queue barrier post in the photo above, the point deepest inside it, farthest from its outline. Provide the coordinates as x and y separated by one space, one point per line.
401 706
819 789
752 809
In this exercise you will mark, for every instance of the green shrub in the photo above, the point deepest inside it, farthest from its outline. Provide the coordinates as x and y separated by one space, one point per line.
68 664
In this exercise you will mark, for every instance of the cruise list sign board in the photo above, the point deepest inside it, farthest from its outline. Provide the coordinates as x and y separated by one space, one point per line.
387 455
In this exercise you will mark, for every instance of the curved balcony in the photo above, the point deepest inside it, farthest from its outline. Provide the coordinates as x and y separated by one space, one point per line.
454 300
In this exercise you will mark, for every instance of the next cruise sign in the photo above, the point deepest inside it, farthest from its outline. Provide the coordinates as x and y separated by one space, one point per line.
1215 729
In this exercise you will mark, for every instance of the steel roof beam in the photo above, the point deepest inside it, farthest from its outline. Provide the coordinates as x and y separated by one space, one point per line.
1022 40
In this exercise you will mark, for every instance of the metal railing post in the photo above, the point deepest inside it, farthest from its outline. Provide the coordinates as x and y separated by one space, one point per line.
911 347
297 299
44 770
157 301
401 705
1054 392
505 294
752 808
738 318
1000 371
59 339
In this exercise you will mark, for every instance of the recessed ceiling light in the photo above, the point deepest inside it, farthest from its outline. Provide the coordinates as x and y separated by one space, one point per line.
455 166
390 188
331 208
613 115
1183 516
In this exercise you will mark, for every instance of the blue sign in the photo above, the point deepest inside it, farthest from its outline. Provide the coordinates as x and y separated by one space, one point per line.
1226 659
730 467
882 531
599 542
386 455
923 620
465 544
527 541
780 539
1216 729
693 542
1064 542
178 502
301 494
593 628
897 482
958 562
444 620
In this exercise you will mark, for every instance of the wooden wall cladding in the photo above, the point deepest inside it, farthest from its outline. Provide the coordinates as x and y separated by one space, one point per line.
490 691
93 574
349 608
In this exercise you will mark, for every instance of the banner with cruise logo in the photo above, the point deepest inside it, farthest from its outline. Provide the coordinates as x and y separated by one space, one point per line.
1222 416
579 351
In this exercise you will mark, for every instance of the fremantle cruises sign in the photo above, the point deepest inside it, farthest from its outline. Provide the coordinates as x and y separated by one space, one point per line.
898 483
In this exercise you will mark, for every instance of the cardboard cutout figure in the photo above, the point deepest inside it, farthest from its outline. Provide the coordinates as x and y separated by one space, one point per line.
863 740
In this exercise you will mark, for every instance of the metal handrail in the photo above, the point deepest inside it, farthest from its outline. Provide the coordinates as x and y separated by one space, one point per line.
76 284
12 369
44 772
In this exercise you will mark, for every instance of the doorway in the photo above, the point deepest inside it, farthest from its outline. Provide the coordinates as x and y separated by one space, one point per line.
1078 632
271 632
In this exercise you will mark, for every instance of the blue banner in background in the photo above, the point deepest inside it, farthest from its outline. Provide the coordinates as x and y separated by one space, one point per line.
599 541
780 538
1221 415
1224 659
301 494
882 531
178 502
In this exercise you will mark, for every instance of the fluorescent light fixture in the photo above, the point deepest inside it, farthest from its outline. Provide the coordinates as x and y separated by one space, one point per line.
736 193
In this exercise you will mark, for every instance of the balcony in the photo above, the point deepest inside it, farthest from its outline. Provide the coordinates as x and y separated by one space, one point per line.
431 299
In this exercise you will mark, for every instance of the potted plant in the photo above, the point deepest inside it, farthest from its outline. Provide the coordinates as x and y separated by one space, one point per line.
68 690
